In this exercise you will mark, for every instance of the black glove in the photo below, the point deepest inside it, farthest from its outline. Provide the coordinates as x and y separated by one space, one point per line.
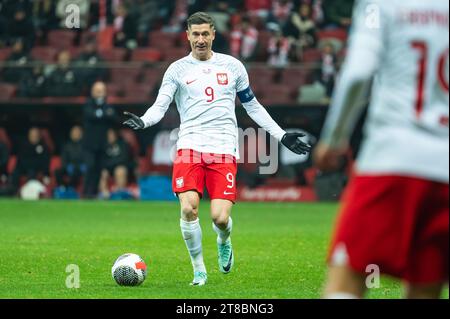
134 121
293 142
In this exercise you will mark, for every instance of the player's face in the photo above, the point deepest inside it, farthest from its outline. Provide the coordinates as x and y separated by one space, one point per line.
201 37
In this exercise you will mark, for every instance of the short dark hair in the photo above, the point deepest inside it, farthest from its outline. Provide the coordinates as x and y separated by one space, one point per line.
200 18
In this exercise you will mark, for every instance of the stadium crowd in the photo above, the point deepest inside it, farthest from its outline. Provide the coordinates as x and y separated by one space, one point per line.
292 44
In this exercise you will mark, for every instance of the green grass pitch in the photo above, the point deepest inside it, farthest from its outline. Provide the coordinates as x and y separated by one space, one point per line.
280 250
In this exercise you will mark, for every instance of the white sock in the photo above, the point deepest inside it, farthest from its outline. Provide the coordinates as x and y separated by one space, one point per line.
192 235
223 235
340 295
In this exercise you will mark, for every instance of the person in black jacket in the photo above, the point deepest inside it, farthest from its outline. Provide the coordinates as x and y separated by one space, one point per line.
88 65
98 117
33 160
17 68
73 160
64 80
116 162
34 83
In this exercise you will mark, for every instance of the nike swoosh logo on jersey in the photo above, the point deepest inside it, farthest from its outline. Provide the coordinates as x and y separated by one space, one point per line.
227 193
189 82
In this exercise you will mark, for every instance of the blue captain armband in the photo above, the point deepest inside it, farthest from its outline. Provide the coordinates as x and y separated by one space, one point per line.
246 95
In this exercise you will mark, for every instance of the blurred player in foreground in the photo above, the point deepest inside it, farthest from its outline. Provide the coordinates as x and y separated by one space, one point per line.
395 212
205 84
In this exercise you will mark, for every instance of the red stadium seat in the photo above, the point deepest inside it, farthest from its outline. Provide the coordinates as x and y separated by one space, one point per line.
114 54
12 161
115 90
311 56
4 137
139 93
7 91
278 94
61 39
152 77
261 75
45 54
294 77
163 40
174 54
4 53
146 55
263 44
129 137
340 34
124 75
86 36
74 51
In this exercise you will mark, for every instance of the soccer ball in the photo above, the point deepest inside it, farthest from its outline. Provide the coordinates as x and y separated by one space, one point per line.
129 270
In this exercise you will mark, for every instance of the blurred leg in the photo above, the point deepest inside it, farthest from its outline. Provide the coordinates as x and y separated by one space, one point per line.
103 183
344 283
121 177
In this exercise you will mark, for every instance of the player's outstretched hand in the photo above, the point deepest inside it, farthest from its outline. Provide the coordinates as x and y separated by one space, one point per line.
293 142
134 121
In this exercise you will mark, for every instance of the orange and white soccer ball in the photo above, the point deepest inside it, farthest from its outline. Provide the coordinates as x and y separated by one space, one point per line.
129 270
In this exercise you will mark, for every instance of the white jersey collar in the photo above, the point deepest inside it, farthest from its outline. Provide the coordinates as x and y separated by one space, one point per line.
212 59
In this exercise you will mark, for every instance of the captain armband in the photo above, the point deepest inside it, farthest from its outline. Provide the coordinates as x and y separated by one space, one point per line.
246 95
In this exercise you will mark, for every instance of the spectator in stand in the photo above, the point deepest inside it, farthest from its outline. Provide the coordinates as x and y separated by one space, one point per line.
278 48
44 18
33 160
281 10
244 39
219 11
95 19
178 18
83 6
117 162
88 65
98 117
258 8
21 27
73 165
34 83
328 70
301 29
125 28
18 59
147 15
196 5
63 80
338 13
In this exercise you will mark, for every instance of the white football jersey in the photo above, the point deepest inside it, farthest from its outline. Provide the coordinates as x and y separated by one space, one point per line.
205 94
405 45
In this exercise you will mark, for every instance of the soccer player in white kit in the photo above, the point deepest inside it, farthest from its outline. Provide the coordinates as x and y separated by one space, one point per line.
204 85
395 212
